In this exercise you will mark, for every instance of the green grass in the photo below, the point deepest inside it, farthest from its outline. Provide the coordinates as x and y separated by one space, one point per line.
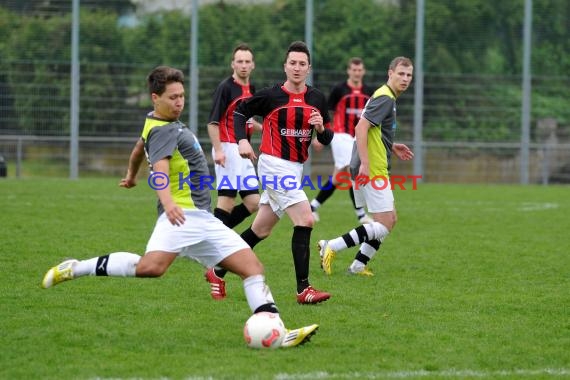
474 282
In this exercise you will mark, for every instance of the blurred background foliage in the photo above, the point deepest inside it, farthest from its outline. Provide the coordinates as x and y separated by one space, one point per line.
473 58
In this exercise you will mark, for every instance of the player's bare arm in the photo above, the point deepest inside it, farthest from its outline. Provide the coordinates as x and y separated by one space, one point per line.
214 133
137 156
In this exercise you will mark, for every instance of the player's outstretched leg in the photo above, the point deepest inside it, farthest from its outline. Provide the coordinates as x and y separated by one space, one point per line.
117 264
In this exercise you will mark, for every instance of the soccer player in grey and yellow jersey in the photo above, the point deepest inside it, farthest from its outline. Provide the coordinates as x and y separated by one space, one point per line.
371 160
185 225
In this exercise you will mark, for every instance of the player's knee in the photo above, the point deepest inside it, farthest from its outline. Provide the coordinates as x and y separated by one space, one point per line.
391 220
387 219
308 220
381 230
150 270
248 266
261 232
252 207
388 223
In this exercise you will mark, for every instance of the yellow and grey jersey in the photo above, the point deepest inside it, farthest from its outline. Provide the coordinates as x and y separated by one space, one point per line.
188 165
380 111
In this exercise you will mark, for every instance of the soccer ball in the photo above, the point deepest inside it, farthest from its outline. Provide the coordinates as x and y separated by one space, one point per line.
264 330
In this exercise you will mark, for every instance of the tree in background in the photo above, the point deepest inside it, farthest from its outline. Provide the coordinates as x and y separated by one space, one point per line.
478 38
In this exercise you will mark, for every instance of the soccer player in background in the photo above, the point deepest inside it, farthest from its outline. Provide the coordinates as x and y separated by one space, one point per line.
346 101
291 112
229 164
371 162
185 226
231 168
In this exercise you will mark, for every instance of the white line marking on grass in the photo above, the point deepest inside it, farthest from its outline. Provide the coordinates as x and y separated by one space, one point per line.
537 206
494 207
452 373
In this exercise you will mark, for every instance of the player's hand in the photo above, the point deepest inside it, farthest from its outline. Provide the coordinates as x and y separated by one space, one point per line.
175 214
402 152
364 170
316 120
220 158
127 183
245 150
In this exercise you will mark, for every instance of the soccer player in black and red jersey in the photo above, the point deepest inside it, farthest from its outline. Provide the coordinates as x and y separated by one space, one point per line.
231 168
229 164
346 100
292 112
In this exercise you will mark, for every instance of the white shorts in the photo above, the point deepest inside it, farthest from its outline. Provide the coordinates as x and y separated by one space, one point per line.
281 181
342 149
203 238
377 196
238 173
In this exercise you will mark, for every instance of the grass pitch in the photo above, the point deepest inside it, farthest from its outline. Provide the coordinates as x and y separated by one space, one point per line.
474 282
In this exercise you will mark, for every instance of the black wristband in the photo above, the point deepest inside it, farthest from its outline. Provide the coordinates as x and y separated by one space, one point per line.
326 137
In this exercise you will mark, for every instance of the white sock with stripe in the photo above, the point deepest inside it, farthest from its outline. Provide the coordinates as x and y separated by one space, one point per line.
117 264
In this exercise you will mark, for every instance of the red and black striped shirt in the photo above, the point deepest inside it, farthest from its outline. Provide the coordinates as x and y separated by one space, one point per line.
286 131
228 95
347 103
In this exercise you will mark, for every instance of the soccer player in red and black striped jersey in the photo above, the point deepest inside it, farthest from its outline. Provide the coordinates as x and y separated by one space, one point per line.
291 113
229 165
231 168
346 100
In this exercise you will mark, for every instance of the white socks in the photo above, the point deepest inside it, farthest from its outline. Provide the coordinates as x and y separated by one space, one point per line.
372 231
117 264
257 292
367 250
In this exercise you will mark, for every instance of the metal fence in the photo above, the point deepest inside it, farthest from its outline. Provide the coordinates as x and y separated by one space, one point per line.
111 120
446 162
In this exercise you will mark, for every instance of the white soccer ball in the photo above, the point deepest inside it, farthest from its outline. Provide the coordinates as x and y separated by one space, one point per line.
264 330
